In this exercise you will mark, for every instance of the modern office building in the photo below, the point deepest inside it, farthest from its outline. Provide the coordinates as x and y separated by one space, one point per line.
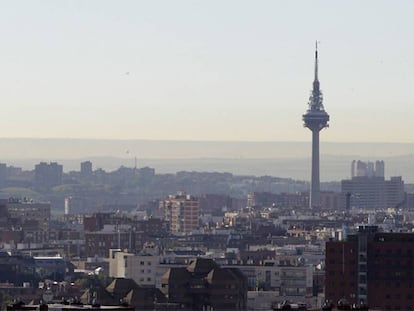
372 267
369 189
367 169
315 119
182 212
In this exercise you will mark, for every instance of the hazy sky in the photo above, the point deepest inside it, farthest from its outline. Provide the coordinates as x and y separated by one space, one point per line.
205 70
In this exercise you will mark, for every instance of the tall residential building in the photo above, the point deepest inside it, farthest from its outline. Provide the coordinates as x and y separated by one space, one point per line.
3 175
86 168
182 212
315 119
371 267
48 175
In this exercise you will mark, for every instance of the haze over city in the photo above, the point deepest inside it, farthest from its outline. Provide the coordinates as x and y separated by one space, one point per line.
206 155
205 70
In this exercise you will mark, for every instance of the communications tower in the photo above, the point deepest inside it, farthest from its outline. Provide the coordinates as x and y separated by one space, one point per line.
315 119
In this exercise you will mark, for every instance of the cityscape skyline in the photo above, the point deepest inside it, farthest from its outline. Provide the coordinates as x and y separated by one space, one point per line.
153 156
231 70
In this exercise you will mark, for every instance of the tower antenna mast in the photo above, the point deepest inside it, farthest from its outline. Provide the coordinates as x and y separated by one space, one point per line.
315 119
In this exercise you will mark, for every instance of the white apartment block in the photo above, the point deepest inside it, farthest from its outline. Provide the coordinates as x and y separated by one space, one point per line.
140 268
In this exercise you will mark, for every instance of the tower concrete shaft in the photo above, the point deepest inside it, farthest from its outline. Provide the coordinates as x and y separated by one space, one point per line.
314 199
315 119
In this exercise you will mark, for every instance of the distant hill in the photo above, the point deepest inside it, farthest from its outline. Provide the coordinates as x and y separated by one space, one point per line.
282 159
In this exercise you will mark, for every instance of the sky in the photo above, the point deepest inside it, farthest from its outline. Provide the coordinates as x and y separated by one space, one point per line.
205 70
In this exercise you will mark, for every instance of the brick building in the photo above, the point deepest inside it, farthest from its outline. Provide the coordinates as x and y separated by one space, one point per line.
182 212
203 285
372 267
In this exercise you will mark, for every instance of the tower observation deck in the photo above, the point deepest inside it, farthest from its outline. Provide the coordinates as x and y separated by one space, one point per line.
315 119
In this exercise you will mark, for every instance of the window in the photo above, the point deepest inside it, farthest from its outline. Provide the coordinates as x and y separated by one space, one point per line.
141 263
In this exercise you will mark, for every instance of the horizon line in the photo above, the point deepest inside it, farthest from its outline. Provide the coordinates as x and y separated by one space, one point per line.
201 140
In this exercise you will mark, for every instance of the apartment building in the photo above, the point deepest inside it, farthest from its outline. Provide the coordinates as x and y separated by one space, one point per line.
182 212
372 267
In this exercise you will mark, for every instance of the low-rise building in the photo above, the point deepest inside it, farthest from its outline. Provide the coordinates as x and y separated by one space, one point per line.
203 285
